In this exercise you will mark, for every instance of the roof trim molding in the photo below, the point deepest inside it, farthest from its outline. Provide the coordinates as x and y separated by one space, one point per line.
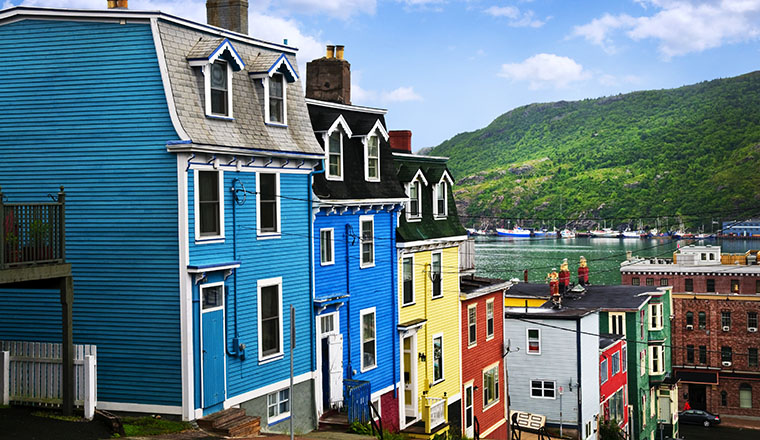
378 127
289 72
355 108
447 177
421 176
339 121
221 51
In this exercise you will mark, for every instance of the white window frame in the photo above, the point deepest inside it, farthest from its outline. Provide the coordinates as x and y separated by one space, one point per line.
655 314
473 323
278 203
362 220
624 358
331 246
527 341
543 388
437 188
432 291
615 355
206 68
206 239
280 416
660 352
377 401
260 284
643 362
366 141
493 368
490 303
411 257
267 116
341 126
335 318
419 177
362 314
616 316
604 373
443 357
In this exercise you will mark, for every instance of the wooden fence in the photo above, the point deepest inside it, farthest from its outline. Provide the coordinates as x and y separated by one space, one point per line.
32 373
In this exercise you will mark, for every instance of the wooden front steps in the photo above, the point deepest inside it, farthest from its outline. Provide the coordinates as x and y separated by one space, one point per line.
333 420
231 422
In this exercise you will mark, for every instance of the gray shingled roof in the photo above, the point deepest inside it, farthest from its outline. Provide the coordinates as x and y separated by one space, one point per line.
248 130
262 62
204 48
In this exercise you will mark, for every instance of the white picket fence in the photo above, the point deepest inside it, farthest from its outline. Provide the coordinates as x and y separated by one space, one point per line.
31 373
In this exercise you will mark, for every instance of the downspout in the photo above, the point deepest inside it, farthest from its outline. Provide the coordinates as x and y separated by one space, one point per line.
578 388
348 304
394 283
236 348
312 275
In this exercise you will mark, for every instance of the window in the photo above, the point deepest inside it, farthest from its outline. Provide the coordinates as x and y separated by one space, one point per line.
745 396
624 358
326 246
752 320
617 406
334 156
278 404
702 320
268 187
711 285
270 318
489 319
373 158
690 318
712 256
642 362
652 401
635 281
704 256
702 354
440 200
415 200
209 204
688 285
726 354
376 403
642 321
725 319
534 341
644 408
690 354
650 281
276 99
734 286
367 241
752 357
435 275
472 325
655 316
617 323
656 360
327 323
437 358
757 286
219 89
603 371
369 340
663 281
212 296
490 385
542 389
407 264
615 363
723 398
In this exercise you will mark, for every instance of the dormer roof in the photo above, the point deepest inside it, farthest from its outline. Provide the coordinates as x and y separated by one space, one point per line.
208 50
267 64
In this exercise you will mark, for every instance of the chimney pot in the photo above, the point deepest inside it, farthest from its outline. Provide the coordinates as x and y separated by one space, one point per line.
330 52
329 78
401 140
339 52
113 4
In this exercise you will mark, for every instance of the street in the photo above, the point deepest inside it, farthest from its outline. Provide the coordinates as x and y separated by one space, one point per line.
697 432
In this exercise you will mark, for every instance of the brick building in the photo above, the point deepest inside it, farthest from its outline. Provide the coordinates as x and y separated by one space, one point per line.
716 305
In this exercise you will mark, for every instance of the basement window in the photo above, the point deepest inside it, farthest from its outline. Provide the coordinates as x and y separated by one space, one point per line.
278 406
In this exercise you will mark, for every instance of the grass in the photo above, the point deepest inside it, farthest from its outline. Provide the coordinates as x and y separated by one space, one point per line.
144 426
57 416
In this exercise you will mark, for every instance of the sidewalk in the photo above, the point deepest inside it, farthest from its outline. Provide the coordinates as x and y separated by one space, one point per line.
745 422
200 435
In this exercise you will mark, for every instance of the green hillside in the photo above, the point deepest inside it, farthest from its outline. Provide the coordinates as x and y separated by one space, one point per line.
695 149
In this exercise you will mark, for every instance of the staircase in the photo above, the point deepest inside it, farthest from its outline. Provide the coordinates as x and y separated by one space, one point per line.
231 422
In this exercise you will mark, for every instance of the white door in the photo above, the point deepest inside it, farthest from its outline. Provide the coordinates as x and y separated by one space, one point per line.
410 376
468 414
335 344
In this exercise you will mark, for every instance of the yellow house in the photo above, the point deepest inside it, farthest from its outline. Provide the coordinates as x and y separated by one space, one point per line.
428 238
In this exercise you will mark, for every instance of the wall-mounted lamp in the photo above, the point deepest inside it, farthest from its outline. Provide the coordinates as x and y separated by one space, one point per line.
422 357
475 388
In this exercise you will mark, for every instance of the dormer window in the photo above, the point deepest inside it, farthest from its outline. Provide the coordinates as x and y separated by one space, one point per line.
275 72
335 156
220 98
217 59
440 196
415 200
373 158
277 99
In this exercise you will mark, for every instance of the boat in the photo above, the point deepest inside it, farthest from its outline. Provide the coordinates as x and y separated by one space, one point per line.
566 233
516 232
552 233
632 234
604 233
538 233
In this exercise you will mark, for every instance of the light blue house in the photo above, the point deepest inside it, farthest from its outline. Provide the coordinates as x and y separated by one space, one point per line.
357 200
187 154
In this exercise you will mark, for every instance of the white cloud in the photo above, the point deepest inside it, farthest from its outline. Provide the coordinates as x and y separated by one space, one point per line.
503 11
401 94
342 9
516 18
545 70
362 96
680 26
276 29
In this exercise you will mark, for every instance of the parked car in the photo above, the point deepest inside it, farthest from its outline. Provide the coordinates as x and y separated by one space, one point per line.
698 417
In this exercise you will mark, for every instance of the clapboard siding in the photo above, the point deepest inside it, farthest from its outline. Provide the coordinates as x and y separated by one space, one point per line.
84 107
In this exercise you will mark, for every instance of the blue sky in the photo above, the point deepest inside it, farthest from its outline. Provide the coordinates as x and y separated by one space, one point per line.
445 66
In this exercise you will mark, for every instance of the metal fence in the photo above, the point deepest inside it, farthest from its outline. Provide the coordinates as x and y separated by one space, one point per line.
356 397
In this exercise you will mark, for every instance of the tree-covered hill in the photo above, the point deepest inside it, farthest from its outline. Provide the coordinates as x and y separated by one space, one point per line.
642 155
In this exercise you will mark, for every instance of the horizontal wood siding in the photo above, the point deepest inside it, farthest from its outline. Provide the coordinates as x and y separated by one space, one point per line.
83 106
286 257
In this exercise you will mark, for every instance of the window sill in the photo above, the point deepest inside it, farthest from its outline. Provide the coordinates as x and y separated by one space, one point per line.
533 354
408 304
490 405
489 338
440 217
220 117
277 419
209 240
329 263
364 370
437 382
334 178
276 124
271 358
472 345
366 266
436 297
268 235
414 219
374 180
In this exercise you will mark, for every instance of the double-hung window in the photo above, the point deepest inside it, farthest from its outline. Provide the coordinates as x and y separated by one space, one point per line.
710 285
209 206
624 358
326 246
270 318
615 363
278 405
472 325
435 275
534 341
415 200
542 389
702 316
656 361
655 317
752 357
369 339
688 285
603 371
441 210
490 385
726 354
219 89
335 155
268 188
752 320
725 319
277 99
702 354
617 323
367 227
407 273
489 319
690 354
437 358
373 158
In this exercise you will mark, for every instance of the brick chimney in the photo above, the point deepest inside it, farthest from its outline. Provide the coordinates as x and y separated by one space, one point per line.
401 140
121 4
329 78
228 14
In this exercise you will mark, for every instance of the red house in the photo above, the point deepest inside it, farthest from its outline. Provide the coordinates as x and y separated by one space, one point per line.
484 377
613 382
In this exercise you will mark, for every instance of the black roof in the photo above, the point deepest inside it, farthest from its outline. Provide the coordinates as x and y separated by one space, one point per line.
546 313
480 285
604 297
354 186
607 339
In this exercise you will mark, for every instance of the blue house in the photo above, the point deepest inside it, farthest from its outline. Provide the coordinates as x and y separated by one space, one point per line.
357 200
187 155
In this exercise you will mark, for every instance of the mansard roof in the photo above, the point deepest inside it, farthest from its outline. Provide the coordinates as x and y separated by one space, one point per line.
209 50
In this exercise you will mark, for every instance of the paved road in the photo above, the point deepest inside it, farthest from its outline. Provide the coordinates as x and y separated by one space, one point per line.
697 432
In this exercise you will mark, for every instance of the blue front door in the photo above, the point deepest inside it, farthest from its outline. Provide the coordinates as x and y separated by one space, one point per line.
212 334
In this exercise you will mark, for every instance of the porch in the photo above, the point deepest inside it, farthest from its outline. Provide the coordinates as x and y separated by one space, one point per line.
434 419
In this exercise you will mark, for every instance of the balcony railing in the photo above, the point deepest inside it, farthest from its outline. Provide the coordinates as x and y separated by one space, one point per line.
32 233
434 412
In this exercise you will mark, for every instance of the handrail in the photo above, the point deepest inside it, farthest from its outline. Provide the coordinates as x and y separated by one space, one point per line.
477 429
376 425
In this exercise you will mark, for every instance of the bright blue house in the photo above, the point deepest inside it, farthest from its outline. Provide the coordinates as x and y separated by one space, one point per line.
357 200
187 155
